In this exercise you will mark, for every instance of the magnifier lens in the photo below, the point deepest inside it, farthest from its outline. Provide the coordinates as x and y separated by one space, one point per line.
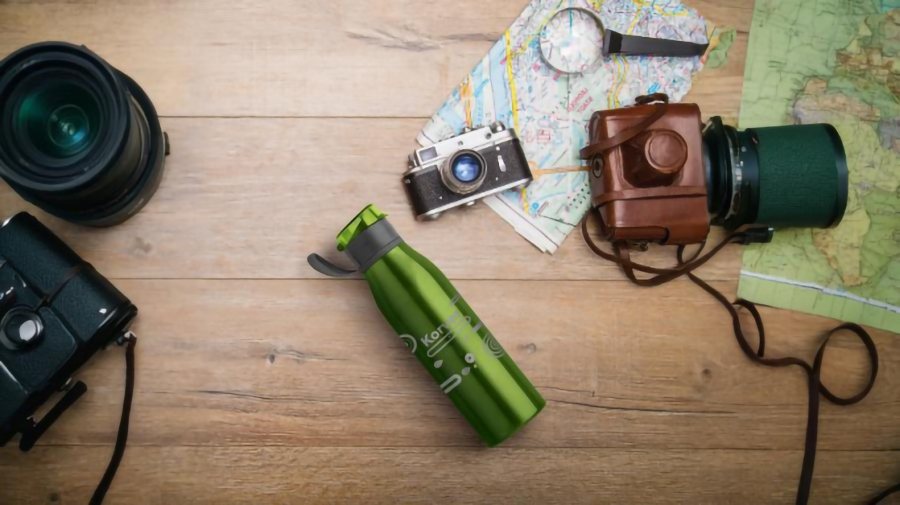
572 41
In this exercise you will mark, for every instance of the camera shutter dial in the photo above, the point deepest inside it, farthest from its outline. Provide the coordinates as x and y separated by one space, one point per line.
21 328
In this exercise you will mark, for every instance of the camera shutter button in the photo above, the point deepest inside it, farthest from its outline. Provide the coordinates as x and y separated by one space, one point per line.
662 154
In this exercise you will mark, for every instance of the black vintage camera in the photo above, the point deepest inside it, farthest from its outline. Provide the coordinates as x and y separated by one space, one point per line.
460 170
56 311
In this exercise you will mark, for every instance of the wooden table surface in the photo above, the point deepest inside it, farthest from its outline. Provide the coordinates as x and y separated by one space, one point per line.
259 381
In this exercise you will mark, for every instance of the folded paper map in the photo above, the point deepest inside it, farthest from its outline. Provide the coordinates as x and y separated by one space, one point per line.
550 110
838 62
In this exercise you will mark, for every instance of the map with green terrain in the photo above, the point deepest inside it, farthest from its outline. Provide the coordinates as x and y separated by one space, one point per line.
838 62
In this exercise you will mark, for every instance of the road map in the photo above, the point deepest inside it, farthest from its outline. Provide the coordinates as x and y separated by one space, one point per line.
838 62
550 110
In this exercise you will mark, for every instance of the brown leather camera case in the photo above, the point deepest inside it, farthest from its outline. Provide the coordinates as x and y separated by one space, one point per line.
647 177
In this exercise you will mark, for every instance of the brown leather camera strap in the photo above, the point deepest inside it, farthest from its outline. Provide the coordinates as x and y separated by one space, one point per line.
813 372
598 147
647 193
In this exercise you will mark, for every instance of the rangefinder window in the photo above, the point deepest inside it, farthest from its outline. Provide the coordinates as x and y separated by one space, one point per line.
427 154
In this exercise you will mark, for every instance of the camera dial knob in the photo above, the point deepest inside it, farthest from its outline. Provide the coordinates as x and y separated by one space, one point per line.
659 156
21 328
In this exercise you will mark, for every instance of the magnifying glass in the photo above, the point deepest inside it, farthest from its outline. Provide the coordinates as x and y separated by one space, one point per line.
574 40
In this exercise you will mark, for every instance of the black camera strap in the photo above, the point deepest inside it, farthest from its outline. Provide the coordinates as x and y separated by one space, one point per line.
813 371
597 146
34 431
129 340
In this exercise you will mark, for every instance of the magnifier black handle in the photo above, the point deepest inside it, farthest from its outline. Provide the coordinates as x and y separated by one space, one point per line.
634 45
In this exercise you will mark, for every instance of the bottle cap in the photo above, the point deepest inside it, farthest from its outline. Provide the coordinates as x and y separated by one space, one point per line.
366 238
366 217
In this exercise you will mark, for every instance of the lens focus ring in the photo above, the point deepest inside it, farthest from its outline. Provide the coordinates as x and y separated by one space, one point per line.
78 138
464 172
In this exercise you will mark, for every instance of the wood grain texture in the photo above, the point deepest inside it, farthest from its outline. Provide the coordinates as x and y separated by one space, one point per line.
327 58
249 198
260 382
311 475
221 362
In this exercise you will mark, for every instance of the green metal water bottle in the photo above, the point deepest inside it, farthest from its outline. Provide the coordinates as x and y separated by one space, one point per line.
438 327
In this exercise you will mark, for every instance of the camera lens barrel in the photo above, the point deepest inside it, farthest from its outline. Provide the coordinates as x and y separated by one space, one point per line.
780 176
464 172
78 138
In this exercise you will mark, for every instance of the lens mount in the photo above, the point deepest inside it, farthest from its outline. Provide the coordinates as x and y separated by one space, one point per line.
775 176
464 172
732 174
78 138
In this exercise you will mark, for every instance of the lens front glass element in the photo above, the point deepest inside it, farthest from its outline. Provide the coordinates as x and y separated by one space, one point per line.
58 118
466 168
78 138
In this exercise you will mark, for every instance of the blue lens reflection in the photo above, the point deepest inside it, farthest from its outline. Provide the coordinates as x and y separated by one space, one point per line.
466 168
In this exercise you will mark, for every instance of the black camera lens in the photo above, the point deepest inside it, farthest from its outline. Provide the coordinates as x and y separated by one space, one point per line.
780 176
78 138
464 172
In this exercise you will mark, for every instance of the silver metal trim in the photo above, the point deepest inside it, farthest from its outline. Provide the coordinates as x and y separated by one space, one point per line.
476 140
425 216
737 176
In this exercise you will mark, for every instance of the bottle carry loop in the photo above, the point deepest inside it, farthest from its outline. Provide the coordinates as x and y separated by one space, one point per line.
325 267
816 388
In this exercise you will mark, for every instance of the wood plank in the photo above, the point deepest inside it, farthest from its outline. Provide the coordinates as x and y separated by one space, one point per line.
321 58
276 390
250 198
239 475
312 363
216 217
326 58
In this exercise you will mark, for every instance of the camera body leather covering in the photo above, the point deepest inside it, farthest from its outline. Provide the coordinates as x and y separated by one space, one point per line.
56 311
647 175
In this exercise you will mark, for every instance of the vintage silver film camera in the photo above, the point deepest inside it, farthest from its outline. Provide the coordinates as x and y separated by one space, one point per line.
461 170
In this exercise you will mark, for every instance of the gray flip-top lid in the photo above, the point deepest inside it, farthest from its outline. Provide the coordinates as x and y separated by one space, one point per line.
365 249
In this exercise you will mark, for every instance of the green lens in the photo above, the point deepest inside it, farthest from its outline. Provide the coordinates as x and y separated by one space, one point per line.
59 119
779 176
802 175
